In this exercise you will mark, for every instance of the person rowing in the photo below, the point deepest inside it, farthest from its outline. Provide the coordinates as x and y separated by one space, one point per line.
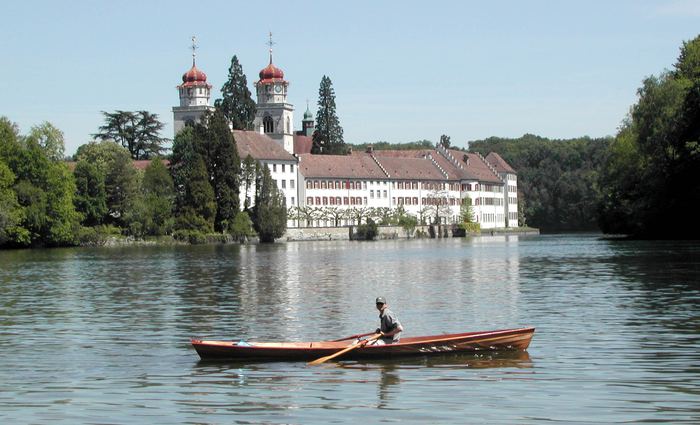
389 326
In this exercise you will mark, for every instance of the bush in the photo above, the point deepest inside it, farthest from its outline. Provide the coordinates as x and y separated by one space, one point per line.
191 236
366 232
97 235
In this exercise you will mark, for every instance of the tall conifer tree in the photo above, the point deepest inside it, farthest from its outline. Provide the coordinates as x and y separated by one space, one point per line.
328 135
236 103
224 169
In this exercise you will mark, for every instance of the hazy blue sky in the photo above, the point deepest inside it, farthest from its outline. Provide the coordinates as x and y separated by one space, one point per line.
402 71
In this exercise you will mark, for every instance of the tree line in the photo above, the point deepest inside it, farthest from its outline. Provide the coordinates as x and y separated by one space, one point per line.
643 183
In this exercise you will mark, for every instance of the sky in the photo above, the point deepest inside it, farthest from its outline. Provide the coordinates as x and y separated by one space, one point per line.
402 71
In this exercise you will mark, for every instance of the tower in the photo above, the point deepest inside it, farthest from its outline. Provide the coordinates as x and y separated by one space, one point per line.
274 116
194 95
307 124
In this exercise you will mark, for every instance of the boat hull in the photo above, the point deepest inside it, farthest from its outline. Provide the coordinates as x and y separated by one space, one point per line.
500 340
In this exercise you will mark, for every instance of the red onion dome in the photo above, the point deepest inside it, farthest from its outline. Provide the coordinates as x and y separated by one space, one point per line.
194 77
271 73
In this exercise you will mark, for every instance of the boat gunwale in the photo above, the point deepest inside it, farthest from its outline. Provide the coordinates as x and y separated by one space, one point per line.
332 345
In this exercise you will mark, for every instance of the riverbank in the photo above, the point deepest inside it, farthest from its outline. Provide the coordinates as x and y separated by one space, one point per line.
394 232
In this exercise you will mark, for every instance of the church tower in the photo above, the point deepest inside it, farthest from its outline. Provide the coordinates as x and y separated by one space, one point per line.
194 95
307 124
274 116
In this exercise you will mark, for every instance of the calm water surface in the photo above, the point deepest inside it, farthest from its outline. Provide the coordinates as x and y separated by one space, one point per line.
101 335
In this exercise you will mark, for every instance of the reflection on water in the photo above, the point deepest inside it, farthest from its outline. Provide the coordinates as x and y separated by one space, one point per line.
102 335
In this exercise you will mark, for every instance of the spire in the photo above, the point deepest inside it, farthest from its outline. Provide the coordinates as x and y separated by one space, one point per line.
270 43
194 48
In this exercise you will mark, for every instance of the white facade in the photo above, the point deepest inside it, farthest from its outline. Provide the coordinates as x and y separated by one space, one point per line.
491 189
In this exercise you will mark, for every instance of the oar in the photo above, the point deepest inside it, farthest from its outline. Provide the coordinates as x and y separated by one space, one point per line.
345 350
353 337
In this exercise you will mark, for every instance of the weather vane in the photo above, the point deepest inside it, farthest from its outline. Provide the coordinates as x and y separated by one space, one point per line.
270 43
194 48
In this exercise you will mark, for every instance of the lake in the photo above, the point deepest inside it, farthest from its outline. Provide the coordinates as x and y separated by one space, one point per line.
101 335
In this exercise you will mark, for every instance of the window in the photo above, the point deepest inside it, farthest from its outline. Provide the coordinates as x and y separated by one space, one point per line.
291 168
292 200
291 184
309 184
284 184
385 195
371 194
323 184
325 200
268 124
283 168
315 184
345 200
415 200
309 200
318 200
274 168
337 200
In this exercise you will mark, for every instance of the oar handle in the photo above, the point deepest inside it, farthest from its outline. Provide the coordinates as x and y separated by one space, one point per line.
353 337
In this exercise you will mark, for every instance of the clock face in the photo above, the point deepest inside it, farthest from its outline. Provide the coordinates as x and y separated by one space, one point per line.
278 88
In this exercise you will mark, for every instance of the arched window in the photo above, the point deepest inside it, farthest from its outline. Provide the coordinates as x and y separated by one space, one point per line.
267 124
289 126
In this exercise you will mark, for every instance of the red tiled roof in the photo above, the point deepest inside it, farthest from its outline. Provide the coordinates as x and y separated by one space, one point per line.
476 168
360 166
410 168
499 163
259 146
302 144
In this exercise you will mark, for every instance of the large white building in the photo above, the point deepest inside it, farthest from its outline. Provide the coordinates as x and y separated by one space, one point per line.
336 190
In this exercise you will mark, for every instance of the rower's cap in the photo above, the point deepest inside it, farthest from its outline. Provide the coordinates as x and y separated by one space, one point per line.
380 300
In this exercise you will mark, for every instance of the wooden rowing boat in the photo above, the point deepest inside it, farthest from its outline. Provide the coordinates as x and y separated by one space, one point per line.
500 340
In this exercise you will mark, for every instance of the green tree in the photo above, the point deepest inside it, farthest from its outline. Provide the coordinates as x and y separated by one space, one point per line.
43 186
248 179
649 181
50 139
236 103
138 132
91 196
195 206
159 196
121 187
224 167
11 213
558 187
242 227
334 215
121 179
328 135
445 141
269 212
